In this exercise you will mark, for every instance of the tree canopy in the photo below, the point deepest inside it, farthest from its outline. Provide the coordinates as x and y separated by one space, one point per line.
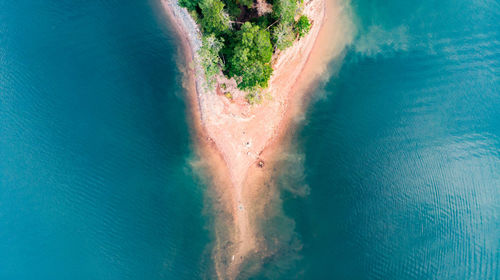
240 40
250 62
209 56
283 35
214 18
247 3
189 4
284 10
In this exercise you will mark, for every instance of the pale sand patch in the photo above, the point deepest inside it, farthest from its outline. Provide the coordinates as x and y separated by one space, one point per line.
234 137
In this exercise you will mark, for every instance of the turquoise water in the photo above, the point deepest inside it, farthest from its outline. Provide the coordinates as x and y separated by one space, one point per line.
395 174
401 150
95 180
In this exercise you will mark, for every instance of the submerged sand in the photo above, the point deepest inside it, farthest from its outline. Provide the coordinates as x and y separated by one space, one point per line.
238 140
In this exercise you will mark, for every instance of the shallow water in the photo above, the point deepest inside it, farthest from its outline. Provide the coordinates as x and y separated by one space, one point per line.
394 174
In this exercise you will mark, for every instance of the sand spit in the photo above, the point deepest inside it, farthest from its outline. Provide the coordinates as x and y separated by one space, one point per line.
238 140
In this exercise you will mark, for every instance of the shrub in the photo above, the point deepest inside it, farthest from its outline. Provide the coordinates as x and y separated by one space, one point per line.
253 98
302 26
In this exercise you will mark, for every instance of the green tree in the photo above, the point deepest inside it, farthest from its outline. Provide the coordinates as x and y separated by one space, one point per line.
302 26
215 19
248 3
209 57
284 10
283 35
250 61
189 4
232 8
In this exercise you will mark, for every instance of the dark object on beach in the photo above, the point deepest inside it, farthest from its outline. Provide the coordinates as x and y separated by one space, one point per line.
261 164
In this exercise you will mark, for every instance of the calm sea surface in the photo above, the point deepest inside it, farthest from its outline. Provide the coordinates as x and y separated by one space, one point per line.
401 150
94 145
398 160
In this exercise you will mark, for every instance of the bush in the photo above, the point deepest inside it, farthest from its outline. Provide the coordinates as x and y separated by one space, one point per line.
253 98
302 26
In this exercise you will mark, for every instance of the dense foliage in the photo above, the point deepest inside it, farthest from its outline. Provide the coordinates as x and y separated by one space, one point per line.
303 25
209 56
214 17
250 62
283 35
240 37
189 4
247 3
284 10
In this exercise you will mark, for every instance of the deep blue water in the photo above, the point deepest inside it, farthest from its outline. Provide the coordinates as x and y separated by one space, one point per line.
94 145
400 150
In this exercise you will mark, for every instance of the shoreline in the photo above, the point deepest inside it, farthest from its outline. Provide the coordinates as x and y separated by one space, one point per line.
220 125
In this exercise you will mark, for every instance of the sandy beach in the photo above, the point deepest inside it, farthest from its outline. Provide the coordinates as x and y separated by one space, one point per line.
239 141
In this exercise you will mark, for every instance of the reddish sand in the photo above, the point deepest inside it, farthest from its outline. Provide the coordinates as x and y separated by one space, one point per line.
235 137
